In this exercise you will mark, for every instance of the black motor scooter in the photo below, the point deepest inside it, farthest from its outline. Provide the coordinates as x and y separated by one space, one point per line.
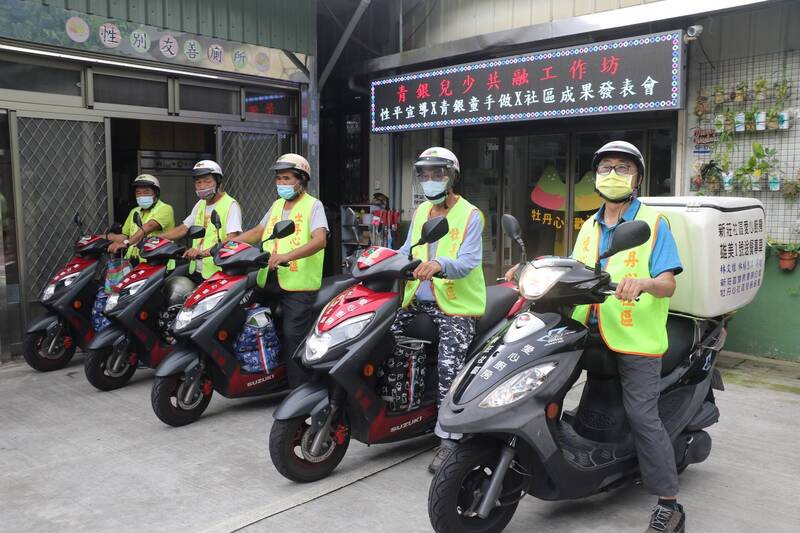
141 309
68 297
508 401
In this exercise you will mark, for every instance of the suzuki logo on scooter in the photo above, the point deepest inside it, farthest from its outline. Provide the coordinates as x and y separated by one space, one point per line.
555 336
406 424
261 380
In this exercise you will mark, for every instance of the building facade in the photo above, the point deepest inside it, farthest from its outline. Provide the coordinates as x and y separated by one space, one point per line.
526 143
94 93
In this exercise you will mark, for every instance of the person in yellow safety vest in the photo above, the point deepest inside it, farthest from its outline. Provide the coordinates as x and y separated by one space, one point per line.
456 297
296 285
635 330
208 187
157 217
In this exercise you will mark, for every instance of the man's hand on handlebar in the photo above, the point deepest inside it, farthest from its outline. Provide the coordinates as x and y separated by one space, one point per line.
114 247
194 253
276 260
427 270
629 289
510 273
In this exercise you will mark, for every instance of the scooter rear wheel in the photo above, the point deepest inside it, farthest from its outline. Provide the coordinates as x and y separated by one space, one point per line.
457 487
169 405
98 373
289 443
39 358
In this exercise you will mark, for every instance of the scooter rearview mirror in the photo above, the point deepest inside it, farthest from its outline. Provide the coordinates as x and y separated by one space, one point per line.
626 236
78 221
215 220
282 229
116 227
137 219
196 232
433 230
512 228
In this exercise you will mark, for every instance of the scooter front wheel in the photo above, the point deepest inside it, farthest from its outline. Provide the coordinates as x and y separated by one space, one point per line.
45 356
171 404
458 488
290 449
104 372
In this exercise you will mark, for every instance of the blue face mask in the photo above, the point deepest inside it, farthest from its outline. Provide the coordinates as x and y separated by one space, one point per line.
145 202
286 192
432 189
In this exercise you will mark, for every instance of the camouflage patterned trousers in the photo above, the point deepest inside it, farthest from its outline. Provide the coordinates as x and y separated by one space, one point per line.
455 336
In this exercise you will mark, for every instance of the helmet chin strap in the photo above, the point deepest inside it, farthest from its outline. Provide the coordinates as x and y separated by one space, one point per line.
440 195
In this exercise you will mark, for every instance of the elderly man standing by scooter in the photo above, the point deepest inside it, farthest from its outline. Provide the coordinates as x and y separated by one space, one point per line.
207 176
635 330
294 285
448 285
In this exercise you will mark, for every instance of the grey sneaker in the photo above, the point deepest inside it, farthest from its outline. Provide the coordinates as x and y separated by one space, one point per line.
667 520
442 451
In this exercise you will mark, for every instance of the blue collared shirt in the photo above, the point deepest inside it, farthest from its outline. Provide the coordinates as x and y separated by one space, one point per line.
469 256
664 257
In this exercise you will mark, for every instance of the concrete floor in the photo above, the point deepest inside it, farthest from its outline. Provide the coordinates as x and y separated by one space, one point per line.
73 458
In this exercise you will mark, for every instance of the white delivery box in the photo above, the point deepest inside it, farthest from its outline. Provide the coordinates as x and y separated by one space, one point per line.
722 243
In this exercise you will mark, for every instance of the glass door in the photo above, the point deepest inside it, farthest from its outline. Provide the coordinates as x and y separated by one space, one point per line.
536 168
480 184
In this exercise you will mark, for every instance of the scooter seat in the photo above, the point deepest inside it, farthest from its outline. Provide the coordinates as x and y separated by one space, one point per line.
681 333
331 286
499 301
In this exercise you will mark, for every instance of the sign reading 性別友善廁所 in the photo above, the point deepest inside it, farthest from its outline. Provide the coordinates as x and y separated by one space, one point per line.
642 73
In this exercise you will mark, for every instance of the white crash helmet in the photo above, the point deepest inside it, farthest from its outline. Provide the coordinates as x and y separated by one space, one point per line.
205 167
294 162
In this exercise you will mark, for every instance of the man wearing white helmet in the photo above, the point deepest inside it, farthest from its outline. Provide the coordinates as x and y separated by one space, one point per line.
157 216
295 285
635 330
456 297
208 187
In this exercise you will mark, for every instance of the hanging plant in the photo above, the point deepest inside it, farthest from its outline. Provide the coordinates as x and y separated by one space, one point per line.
730 121
782 90
740 92
719 94
760 88
712 176
772 118
791 188
750 121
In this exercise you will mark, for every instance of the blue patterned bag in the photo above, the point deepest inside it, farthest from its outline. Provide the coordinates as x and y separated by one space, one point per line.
99 320
257 346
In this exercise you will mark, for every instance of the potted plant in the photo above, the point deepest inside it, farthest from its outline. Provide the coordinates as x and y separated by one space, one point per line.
787 254
762 163
739 122
719 94
729 121
741 177
712 176
782 89
750 121
772 118
740 92
760 88
791 189
725 167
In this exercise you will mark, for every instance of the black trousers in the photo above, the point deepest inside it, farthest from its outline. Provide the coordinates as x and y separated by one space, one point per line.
294 324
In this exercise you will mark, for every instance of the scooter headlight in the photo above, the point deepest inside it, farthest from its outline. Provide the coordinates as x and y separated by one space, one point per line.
318 343
519 386
187 314
535 282
66 281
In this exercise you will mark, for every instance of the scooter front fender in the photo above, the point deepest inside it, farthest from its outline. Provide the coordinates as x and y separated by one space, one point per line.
302 401
43 323
178 362
107 338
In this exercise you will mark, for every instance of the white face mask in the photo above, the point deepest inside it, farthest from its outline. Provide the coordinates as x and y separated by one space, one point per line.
435 191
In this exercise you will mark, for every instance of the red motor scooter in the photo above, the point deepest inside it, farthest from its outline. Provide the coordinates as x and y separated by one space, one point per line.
50 340
362 385
206 329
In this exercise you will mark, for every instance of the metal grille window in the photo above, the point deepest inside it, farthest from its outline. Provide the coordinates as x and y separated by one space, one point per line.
39 78
130 91
63 172
210 99
246 159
